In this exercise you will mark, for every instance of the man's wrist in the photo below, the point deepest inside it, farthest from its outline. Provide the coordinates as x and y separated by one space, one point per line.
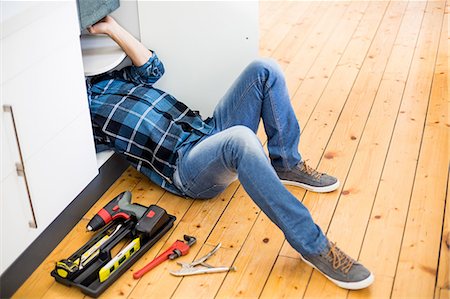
113 30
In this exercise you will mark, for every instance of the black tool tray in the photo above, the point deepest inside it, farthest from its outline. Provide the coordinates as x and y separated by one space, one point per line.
88 279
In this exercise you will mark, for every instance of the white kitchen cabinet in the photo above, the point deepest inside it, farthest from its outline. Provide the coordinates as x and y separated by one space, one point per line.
46 97
43 88
34 32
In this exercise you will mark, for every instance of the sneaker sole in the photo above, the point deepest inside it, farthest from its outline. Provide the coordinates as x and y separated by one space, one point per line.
357 285
323 189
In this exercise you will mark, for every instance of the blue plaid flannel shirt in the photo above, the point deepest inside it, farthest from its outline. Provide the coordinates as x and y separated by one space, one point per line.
144 124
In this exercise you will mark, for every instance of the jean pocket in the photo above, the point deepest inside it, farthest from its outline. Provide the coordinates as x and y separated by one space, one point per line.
205 193
177 181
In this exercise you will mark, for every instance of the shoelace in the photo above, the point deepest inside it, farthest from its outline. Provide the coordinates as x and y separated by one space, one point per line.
309 170
340 259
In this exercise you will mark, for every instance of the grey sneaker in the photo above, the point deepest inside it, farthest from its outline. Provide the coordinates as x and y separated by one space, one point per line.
341 269
306 177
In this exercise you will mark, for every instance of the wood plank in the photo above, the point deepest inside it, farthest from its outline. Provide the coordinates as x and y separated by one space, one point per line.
299 66
254 261
234 224
382 241
444 294
266 9
441 74
382 102
443 279
334 97
418 262
419 253
319 76
328 110
342 145
40 281
288 279
334 48
295 38
271 11
206 286
360 95
198 222
285 22
305 44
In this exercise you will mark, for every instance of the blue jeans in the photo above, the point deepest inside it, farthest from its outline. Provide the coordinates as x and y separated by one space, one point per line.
206 168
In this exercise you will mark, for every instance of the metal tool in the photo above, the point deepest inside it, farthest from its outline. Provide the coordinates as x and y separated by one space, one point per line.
118 207
66 268
200 267
179 248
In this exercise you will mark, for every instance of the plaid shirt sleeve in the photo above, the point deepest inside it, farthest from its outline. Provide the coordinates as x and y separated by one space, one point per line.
146 74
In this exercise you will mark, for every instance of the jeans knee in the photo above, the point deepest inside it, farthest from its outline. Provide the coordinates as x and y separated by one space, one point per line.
265 65
242 144
267 72
242 138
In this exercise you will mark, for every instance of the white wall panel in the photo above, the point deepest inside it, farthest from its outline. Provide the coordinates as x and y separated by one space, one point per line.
204 46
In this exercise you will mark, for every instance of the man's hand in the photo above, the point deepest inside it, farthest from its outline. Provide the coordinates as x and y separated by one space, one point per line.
107 25
138 53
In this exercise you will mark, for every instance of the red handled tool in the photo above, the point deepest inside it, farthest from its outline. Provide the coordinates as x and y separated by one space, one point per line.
179 248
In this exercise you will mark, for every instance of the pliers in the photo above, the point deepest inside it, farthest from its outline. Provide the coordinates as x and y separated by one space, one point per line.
193 268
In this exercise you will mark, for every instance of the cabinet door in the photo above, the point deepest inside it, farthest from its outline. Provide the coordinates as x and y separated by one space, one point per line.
47 97
15 210
61 170
42 75
54 130
33 30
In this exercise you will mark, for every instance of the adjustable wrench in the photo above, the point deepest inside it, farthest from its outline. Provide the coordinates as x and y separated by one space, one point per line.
179 248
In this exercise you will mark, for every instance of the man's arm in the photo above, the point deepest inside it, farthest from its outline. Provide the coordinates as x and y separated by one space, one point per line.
137 52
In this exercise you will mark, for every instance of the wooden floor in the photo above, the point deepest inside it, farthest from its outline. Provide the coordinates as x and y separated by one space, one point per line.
369 84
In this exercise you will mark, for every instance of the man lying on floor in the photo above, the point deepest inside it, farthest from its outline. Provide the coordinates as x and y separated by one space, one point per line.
176 149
